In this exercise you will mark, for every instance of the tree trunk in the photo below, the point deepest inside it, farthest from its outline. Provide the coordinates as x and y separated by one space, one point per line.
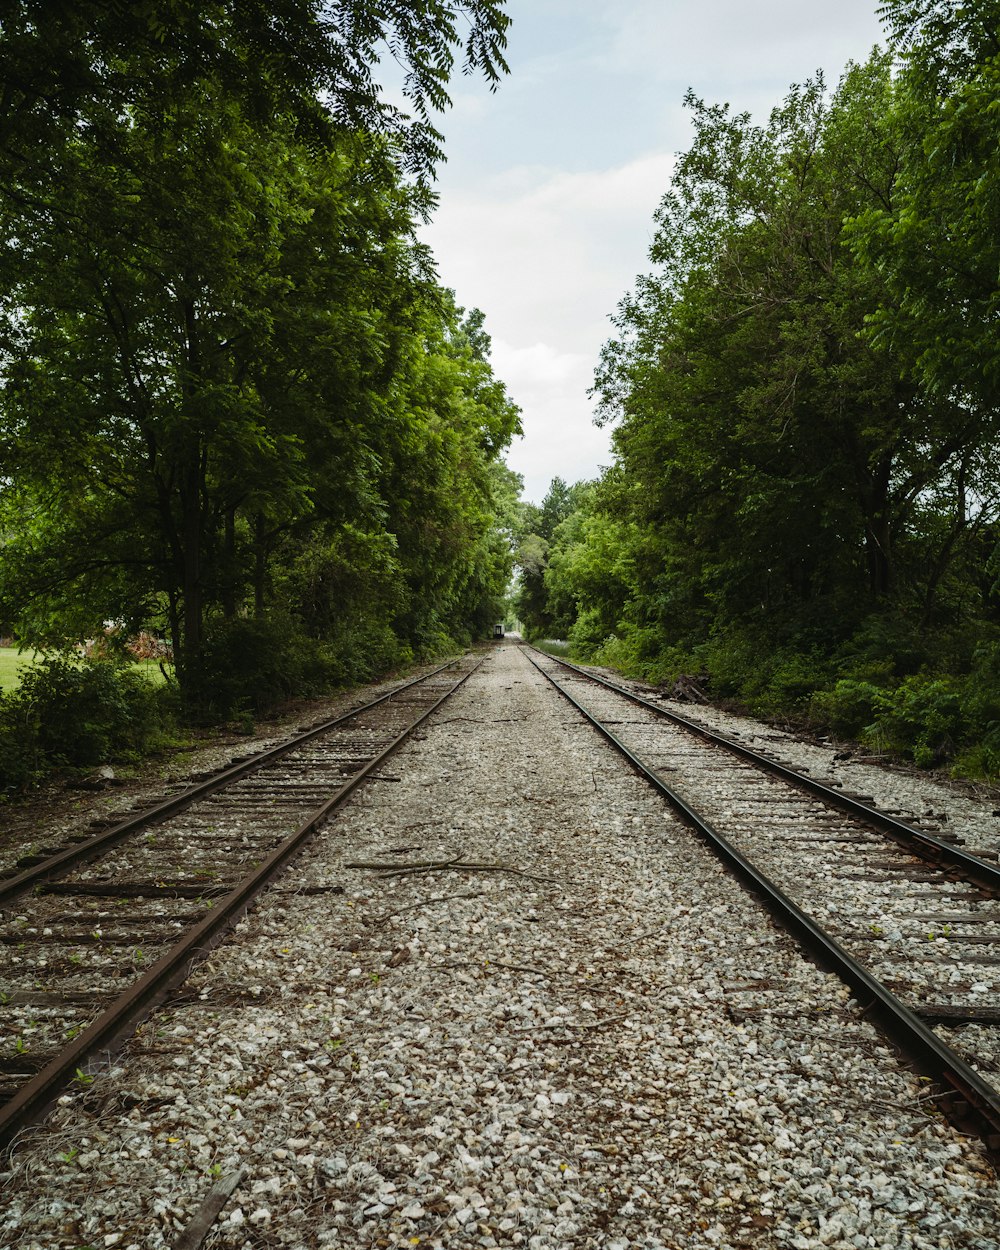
878 551
191 587
259 564
229 567
878 531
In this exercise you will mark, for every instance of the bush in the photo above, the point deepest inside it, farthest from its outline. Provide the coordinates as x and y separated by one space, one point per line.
981 760
793 681
364 651
923 718
69 713
589 634
250 665
846 709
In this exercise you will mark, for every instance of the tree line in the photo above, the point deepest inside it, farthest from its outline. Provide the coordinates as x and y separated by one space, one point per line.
804 506
236 405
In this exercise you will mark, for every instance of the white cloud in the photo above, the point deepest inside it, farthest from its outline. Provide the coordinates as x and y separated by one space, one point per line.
729 46
560 439
546 204
537 248
539 366
548 255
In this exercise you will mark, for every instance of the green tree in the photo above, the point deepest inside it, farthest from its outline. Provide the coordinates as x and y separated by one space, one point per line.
225 346
539 527
70 62
938 245
788 472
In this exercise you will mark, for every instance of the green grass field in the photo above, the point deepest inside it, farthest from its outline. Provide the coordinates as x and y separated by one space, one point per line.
12 662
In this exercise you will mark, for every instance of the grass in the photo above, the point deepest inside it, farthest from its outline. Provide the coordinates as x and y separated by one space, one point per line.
552 646
14 662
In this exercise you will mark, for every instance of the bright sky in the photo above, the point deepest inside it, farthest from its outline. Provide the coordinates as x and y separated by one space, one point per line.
548 195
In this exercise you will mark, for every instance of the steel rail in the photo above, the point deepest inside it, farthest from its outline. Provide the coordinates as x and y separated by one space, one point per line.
971 1100
56 865
118 1021
973 869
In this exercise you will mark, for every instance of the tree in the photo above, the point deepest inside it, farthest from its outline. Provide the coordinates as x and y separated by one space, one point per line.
70 62
224 343
938 246
788 473
538 536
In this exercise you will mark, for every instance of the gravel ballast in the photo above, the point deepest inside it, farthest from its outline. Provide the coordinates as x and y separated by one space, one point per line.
593 1039
930 800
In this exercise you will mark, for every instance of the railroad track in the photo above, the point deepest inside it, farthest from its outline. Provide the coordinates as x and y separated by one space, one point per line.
96 933
909 920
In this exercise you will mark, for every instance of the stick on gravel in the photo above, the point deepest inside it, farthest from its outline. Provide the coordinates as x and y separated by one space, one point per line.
199 1228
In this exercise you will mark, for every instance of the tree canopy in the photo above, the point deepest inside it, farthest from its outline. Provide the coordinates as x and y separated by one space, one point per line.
804 399
70 62
232 390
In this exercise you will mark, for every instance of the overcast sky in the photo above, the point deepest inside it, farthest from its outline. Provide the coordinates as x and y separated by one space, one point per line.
547 198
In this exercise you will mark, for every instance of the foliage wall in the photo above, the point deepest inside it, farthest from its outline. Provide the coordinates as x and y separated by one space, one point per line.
805 506
236 407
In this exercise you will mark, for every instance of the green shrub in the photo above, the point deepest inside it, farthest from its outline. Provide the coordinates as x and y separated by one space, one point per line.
20 761
846 709
249 666
363 651
586 634
923 718
890 642
982 760
71 713
793 680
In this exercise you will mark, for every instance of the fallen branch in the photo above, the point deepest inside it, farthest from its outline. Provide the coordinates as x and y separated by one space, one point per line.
197 1231
422 866
568 1024
390 867
400 911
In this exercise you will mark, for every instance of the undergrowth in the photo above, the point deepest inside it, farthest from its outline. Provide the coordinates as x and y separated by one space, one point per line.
885 690
70 713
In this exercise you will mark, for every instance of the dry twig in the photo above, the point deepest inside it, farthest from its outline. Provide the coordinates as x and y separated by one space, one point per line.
421 866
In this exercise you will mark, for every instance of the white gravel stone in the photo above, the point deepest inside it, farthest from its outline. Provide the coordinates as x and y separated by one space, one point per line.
561 1061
